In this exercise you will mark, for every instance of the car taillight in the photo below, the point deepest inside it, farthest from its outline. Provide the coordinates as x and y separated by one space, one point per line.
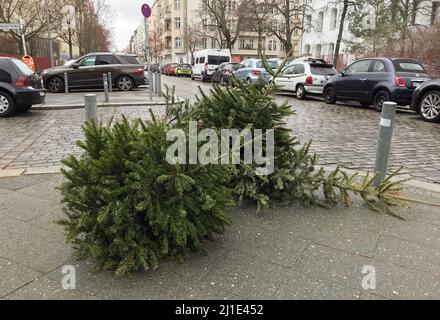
227 70
139 70
400 82
256 72
22 81
309 80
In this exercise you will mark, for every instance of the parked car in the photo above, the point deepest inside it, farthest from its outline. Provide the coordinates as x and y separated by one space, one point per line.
207 61
183 70
375 80
20 87
170 69
163 69
252 70
86 73
154 67
224 72
426 101
305 77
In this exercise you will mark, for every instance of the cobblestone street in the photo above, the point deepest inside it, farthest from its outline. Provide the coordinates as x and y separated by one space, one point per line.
341 134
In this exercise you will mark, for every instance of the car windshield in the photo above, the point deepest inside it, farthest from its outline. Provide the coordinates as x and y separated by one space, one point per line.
272 64
217 60
69 63
23 67
323 70
405 66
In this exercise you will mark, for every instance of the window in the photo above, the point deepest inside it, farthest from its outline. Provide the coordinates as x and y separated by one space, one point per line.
205 24
176 4
241 44
217 60
331 49
299 69
378 66
272 45
402 66
320 21
129 59
318 50
88 61
205 43
177 22
205 4
105 60
334 19
178 42
202 60
23 67
361 66
213 43
307 49
309 23
289 70
323 70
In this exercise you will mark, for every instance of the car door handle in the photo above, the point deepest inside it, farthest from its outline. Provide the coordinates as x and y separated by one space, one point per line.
363 79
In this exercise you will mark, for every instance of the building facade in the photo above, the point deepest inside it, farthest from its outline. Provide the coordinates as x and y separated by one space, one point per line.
322 23
177 27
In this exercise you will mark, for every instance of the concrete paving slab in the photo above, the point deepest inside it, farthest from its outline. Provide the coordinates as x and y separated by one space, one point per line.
47 289
14 276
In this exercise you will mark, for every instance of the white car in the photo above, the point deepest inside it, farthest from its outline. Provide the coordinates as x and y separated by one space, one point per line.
306 76
207 61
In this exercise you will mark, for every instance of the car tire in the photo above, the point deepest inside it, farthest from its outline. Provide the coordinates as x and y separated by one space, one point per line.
379 98
55 85
301 92
124 83
330 95
430 106
7 104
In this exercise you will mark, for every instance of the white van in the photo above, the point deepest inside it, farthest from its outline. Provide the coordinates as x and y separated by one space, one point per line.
207 61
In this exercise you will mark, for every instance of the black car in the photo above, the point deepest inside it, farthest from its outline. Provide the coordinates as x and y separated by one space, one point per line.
224 72
87 72
20 87
426 101
375 80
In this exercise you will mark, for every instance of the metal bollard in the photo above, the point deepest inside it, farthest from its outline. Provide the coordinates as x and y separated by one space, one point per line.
150 84
159 84
385 139
66 83
106 95
90 104
110 82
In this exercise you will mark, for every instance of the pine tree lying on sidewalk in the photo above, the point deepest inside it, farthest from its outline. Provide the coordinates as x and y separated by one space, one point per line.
127 208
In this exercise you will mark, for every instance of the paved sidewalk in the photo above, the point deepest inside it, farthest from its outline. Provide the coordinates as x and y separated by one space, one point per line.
294 253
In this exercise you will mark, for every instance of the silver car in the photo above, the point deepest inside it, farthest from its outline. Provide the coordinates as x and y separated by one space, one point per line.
252 70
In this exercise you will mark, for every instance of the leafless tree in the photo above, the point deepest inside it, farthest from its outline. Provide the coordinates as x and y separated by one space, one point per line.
291 15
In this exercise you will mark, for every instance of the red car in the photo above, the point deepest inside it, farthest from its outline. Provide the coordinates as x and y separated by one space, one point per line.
170 69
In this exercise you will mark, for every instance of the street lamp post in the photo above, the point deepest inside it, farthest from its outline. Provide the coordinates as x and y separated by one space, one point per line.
46 7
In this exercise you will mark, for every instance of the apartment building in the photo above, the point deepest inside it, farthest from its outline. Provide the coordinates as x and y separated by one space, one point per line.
322 20
175 23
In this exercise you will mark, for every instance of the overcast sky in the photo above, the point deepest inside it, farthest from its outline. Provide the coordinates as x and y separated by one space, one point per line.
128 17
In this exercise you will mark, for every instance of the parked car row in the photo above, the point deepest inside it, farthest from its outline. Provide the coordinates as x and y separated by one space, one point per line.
370 81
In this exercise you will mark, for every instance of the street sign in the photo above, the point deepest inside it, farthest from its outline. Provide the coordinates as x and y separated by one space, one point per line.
9 26
146 10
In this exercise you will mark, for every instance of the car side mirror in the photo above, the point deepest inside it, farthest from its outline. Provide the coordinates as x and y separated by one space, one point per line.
75 66
345 73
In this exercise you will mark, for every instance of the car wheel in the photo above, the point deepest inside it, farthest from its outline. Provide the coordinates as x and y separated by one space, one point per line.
330 95
55 85
379 98
301 93
430 106
7 105
125 83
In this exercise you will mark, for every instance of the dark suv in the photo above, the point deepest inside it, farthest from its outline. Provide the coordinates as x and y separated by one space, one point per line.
86 72
20 87
375 80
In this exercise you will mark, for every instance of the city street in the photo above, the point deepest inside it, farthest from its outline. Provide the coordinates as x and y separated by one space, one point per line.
341 134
